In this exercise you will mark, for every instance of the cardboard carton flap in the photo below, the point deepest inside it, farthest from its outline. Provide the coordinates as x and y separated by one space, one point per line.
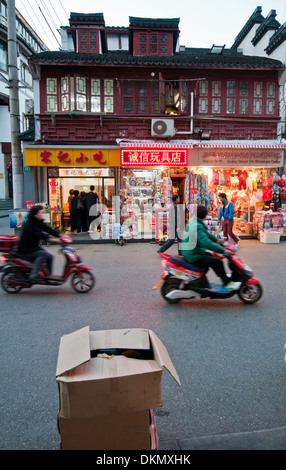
74 350
128 338
162 356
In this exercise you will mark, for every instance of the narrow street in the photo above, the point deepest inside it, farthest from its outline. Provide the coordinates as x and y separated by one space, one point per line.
229 356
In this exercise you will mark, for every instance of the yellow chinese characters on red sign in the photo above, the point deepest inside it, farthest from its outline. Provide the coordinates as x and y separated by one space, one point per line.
69 157
153 157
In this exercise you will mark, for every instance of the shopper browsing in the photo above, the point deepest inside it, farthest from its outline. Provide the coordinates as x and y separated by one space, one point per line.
226 213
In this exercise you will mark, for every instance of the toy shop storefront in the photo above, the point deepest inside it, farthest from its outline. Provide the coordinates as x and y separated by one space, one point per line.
249 173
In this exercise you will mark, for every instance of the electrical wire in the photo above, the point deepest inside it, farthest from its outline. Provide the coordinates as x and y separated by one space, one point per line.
59 20
48 13
64 9
27 16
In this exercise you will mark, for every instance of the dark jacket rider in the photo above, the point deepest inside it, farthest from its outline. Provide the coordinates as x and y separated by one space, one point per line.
35 231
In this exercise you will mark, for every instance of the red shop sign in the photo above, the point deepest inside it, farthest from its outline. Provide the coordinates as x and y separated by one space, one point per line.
153 157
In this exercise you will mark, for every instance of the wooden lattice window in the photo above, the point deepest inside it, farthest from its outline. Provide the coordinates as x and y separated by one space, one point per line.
65 94
95 101
203 97
230 105
153 44
143 43
80 93
163 44
270 101
52 95
88 41
108 96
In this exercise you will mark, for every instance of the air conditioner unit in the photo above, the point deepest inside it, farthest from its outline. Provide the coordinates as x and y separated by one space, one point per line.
163 128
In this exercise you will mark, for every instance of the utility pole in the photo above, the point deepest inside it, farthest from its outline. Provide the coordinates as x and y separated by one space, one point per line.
17 159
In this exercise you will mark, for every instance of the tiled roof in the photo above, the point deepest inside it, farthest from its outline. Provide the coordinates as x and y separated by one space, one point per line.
278 38
191 57
256 18
110 29
269 23
154 22
86 17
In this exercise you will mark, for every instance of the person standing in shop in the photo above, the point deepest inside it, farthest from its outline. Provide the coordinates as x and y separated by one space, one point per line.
90 200
173 224
226 212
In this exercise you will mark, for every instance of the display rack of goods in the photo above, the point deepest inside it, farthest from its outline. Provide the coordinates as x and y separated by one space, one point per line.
213 225
167 190
161 225
269 222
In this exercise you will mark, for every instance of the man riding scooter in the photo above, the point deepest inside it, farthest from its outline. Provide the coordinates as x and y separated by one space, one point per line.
35 231
198 241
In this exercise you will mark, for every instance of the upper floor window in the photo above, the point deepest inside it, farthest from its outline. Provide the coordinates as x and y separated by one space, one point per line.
155 97
270 98
88 41
26 76
80 93
3 56
237 97
152 43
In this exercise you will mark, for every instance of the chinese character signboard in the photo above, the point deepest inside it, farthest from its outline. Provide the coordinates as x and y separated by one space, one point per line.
153 157
72 157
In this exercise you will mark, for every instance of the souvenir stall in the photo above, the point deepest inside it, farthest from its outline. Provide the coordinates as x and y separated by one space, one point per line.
269 226
253 191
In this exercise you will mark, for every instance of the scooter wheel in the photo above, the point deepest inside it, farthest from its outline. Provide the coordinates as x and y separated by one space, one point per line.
249 294
8 281
168 286
83 281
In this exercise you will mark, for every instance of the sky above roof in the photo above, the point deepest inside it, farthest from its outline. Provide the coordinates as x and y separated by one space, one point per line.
202 23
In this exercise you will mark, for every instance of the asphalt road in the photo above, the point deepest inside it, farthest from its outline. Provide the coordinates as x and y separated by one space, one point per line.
230 357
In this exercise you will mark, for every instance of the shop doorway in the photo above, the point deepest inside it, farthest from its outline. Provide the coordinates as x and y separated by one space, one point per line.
66 179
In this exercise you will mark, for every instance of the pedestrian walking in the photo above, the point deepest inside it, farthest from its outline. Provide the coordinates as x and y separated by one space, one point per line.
226 214
173 224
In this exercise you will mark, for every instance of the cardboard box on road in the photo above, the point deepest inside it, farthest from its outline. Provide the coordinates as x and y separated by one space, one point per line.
108 383
118 431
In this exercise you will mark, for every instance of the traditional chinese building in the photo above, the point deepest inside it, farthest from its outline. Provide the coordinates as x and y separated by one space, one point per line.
136 114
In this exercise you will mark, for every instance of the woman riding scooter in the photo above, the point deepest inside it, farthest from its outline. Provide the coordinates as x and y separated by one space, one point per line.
198 241
35 231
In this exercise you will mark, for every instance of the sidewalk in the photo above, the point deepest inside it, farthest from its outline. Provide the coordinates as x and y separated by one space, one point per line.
266 439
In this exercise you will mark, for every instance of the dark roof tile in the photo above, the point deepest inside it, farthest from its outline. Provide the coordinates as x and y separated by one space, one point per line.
154 22
198 58
256 18
278 38
269 23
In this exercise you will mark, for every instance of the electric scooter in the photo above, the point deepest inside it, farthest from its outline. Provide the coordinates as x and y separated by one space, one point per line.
16 271
183 280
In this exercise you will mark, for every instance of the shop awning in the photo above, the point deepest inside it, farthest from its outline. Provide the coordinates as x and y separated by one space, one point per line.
189 144
241 144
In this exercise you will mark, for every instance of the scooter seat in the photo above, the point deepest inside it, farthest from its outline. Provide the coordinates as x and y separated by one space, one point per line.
182 262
